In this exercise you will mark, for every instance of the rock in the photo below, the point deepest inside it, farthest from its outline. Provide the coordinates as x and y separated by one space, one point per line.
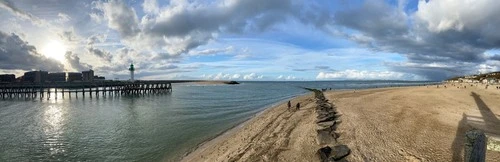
334 134
340 151
324 137
326 128
325 105
321 112
324 153
232 82
326 124
326 118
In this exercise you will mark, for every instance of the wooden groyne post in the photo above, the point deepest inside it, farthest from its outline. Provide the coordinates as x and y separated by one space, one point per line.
475 146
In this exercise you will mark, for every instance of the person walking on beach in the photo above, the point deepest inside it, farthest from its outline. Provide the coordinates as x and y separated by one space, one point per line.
298 106
289 105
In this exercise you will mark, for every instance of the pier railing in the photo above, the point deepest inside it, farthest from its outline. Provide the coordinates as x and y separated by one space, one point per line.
41 90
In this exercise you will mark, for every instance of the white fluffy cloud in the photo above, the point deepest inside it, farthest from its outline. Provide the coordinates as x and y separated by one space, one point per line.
364 75
223 76
458 15
289 77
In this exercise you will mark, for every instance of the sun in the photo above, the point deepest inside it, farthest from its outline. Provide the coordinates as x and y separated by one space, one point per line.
55 50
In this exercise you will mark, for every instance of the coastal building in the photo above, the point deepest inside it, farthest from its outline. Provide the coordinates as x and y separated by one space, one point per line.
88 76
131 69
7 78
57 77
99 78
35 76
74 76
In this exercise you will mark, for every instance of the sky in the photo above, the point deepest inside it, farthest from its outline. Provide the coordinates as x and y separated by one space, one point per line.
266 40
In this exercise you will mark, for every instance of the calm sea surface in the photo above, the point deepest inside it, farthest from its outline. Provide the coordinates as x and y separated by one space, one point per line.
141 128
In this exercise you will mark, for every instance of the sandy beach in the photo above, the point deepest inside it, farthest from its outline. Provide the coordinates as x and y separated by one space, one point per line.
386 124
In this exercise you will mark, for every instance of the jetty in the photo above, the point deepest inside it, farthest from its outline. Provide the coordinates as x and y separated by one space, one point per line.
90 89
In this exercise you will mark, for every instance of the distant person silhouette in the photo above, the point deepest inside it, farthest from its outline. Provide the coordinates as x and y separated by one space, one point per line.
289 105
298 106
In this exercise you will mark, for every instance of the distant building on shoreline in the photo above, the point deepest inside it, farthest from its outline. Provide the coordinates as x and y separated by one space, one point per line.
99 78
57 77
487 78
74 77
88 76
53 77
7 78
35 76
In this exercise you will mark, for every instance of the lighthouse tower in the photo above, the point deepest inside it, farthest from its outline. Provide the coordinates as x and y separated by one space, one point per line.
131 69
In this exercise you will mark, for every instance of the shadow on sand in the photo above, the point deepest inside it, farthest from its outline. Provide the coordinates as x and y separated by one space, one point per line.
487 122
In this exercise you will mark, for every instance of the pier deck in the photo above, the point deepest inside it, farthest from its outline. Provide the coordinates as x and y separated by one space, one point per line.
41 90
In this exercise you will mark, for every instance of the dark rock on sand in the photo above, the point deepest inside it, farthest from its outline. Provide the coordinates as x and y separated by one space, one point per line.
325 118
340 151
324 153
321 113
326 124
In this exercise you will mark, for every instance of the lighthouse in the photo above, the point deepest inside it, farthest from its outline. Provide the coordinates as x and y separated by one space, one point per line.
131 69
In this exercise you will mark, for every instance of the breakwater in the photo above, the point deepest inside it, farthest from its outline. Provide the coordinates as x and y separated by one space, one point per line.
327 121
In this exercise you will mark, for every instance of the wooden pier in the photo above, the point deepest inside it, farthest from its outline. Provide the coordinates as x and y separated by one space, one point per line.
90 89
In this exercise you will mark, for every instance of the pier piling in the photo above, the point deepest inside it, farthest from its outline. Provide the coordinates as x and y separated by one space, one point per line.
45 90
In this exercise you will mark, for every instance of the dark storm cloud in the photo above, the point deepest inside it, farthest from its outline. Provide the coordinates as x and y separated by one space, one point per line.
387 28
182 26
15 53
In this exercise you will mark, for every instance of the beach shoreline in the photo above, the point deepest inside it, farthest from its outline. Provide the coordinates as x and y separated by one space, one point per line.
276 134
226 133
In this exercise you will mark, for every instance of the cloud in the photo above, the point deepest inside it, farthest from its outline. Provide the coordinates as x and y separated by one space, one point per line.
212 51
121 17
439 32
15 53
74 62
289 77
151 7
365 75
182 25
224 76
8 5
63 18
98 38
250 76
318 67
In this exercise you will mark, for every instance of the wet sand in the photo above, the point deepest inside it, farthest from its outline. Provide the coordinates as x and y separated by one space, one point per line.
387 124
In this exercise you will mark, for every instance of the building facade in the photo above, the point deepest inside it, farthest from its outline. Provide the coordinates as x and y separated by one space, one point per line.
88 76
57 77
99 78
35 76
7 78
74 76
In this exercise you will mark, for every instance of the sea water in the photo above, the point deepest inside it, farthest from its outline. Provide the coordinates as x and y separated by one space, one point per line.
155 127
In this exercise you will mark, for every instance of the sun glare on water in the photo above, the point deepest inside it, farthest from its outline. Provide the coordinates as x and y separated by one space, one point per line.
54 50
